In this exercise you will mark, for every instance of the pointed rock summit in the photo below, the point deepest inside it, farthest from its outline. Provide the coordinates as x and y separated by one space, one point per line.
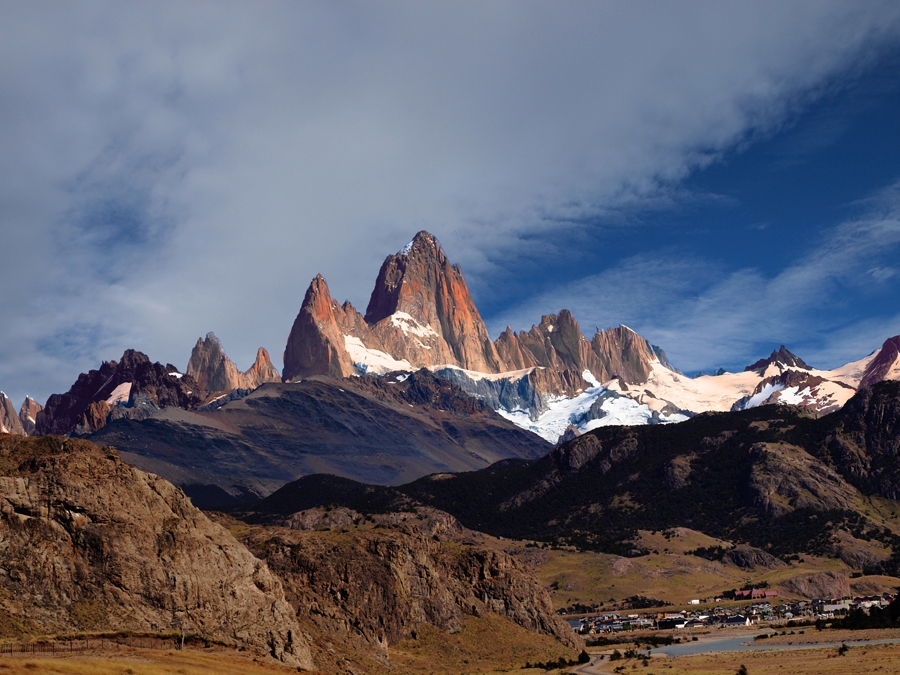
28 414
781 356
420 314
420 293
214 371
316 344
885 365
9 420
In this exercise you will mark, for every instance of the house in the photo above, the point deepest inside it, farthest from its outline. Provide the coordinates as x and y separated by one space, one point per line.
737 620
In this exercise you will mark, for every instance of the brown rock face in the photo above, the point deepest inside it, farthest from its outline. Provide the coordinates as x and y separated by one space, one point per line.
28 414
420 314
152 387
624 354
214 371
376 587
884 366
315 345
92 543
9 420
420 283
822 585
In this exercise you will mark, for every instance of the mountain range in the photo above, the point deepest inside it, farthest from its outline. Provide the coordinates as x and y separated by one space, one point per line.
550 380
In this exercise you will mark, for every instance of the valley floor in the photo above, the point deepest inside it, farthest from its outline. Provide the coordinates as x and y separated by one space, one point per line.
800 660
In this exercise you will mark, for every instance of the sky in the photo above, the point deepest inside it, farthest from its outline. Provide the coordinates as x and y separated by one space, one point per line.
720 177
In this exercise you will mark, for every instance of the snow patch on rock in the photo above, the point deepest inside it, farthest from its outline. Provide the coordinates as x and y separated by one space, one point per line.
120 394
372 361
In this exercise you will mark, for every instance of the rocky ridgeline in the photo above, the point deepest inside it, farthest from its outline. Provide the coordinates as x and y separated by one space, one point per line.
421 314
215 372
133 387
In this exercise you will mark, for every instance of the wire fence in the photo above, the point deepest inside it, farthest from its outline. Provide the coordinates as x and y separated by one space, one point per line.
66 646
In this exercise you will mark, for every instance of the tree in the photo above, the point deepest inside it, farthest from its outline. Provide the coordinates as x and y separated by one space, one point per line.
742 670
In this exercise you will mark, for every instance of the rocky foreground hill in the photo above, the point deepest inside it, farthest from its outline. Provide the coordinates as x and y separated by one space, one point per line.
88 542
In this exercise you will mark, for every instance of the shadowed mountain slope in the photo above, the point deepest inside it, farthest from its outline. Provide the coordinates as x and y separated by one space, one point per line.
770 477
381 430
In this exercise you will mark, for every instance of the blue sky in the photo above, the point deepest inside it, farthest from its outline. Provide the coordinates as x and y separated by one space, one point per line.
721 177
754 213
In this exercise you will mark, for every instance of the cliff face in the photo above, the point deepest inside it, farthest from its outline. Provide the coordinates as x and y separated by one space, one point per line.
131 387
9 420
376 584
421 310
214 371
87 540
420 314
625 354
865 440
316 344
28 414
885 366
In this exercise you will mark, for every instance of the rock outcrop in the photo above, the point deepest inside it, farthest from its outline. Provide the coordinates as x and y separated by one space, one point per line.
821 585
781 356
865 439
90 542
316 344
885 365
421 310
28 414
131 387
9 420
377 586
215 372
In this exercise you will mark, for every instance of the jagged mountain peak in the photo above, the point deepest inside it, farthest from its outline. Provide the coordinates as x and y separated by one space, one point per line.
885 365
411 280
28 414
214 371
423 243
782 356
9 420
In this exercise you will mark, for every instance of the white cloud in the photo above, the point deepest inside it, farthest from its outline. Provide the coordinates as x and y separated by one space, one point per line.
173 168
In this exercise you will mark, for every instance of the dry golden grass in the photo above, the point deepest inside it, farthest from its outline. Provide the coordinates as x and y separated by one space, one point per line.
812 636
487 644
143 662
881 659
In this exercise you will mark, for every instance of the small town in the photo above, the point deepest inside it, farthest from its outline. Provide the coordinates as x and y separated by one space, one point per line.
713 615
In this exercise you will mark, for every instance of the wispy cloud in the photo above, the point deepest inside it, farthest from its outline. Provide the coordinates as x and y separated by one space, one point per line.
707 316
173 168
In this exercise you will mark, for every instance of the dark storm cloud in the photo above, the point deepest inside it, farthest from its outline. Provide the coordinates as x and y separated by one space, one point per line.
174 168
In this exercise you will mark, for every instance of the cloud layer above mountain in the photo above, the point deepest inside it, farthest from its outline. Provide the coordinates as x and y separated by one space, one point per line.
170 168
